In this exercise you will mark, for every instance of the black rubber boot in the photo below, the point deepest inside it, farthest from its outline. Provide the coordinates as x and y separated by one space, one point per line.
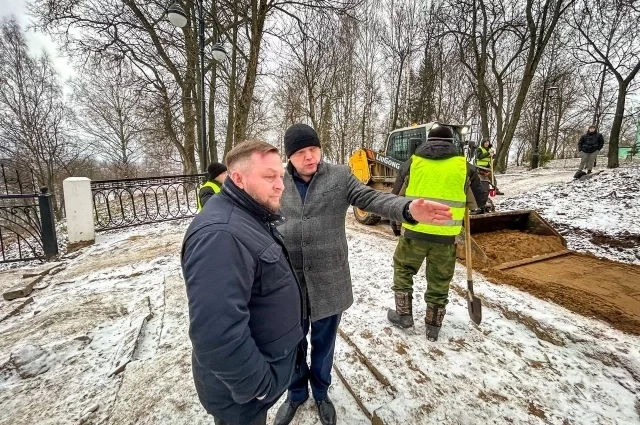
402 316
433 320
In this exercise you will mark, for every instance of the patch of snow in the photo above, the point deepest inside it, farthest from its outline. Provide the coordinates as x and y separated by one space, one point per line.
529 362
598 215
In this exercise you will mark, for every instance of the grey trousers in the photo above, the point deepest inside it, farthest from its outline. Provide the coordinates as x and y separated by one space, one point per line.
587 160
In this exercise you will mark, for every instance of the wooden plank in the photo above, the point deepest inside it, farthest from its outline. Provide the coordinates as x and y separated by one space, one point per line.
517 263
369 392
14 308
24 288
124 354
383 380
41 271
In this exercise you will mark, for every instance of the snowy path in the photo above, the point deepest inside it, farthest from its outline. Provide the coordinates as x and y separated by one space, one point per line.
516 184
530 362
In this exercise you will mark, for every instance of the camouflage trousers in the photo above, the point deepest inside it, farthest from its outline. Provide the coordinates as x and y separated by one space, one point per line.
441 262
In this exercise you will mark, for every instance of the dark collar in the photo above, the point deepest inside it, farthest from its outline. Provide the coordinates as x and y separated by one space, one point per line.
241 199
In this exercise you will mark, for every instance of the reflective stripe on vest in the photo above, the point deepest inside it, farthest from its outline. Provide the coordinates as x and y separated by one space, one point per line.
484 162
439 180
212 185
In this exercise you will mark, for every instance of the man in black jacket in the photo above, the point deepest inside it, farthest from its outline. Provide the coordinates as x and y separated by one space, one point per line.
245 305
436 171
216 174
589 145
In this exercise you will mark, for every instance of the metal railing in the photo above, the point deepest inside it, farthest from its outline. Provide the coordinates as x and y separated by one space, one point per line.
27 227
17 181
132 202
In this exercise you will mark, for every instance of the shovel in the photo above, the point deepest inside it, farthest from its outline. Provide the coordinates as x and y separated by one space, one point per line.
493 177
473 303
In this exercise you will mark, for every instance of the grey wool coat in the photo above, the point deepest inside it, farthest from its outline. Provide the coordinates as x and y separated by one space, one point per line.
314 232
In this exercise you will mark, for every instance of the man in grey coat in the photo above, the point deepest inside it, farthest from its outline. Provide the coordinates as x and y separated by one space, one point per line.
314 204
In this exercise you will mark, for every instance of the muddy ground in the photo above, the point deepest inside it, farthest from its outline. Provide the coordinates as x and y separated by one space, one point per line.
587 285
511 245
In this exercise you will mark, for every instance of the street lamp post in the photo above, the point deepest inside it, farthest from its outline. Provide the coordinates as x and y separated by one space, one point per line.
178 18
535 157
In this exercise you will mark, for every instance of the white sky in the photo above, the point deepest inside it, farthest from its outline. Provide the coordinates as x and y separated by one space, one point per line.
36 41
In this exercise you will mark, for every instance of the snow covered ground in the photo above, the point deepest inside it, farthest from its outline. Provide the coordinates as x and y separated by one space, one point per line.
597 215
530 362
122 302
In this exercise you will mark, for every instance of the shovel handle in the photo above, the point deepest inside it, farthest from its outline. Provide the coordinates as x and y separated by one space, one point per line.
467 247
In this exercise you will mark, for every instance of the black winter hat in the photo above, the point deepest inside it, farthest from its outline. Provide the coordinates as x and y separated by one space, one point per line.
299 136
215 169
440 132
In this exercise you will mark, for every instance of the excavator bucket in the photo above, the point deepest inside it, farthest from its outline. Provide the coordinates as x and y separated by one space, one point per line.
501 232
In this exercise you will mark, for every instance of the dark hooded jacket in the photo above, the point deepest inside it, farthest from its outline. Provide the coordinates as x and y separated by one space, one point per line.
245 306
205 193
441 149
591 142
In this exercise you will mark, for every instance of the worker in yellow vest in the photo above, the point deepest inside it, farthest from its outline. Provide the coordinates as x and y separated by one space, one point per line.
216 173
437 171
484 156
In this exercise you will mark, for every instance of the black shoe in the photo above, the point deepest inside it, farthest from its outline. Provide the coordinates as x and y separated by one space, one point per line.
287 411
326 411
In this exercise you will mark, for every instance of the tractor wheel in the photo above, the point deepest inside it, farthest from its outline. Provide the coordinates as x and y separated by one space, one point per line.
365 217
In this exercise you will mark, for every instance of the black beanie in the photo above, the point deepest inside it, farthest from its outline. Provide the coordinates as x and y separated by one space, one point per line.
299 136
440 132
215 169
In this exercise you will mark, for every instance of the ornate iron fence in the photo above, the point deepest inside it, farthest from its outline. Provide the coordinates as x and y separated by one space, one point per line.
27 224
132 202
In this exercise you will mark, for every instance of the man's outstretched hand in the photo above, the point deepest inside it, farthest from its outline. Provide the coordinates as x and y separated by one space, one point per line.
429 211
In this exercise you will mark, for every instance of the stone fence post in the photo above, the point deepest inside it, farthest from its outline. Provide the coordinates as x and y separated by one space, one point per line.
78 204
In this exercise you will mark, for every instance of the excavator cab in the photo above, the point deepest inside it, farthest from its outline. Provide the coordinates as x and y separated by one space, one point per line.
403 142
379 169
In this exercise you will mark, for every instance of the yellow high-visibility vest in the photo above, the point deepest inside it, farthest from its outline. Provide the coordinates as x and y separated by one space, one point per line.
212 185
443 181
484 162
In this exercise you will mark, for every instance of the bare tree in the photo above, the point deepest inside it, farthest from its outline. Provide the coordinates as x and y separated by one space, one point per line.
109 104
400 39
34 116
607 33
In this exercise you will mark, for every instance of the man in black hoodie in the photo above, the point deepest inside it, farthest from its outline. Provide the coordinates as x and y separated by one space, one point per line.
589 146
437 171
245 304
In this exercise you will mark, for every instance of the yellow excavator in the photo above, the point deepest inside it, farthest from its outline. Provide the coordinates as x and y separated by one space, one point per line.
378 169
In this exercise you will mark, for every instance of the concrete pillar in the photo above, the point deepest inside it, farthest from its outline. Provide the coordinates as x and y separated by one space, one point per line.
78 204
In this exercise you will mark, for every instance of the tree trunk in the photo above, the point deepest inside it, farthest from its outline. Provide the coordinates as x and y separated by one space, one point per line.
231 113
396 99
617 125
259 10
597 112
213 144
